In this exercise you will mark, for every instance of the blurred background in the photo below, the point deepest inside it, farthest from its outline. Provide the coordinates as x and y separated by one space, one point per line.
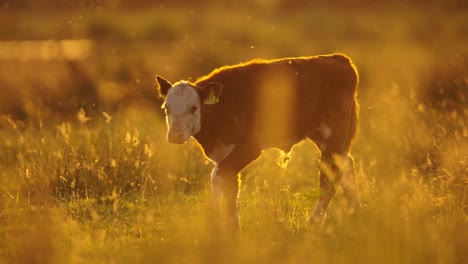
60 60
86 173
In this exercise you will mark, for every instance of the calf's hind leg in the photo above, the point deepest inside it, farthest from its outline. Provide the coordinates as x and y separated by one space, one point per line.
348 183
333 170
328 172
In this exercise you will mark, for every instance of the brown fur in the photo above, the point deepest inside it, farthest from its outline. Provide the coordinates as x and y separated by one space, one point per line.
325 91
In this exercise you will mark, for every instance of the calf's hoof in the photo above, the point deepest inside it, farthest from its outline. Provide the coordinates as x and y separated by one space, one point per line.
317 219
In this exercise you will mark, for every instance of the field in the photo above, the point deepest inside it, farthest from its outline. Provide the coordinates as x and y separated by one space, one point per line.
86 175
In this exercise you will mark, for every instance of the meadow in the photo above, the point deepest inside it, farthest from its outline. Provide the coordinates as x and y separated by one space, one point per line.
86 175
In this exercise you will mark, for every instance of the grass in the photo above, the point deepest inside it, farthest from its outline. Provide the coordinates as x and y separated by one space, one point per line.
103 186
116 192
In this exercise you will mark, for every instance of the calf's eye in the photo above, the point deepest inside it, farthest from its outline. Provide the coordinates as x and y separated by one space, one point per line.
193 109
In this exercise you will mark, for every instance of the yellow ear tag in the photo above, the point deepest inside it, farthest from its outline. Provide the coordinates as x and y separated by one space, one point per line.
211 98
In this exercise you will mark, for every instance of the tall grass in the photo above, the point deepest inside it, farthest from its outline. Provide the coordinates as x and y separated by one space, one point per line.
115 191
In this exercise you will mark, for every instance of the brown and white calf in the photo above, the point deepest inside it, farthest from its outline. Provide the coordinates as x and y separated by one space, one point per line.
237 111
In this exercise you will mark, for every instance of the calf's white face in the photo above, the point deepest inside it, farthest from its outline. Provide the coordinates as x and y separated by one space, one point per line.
182 106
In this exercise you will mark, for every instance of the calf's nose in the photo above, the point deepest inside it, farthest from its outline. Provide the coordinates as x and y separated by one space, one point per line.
176 137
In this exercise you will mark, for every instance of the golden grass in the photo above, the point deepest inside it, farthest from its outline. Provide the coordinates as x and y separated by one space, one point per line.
116 192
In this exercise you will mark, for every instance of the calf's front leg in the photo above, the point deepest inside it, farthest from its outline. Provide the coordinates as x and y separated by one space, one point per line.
216 194
225 182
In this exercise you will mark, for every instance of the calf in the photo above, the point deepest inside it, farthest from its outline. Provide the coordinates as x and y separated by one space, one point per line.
237 111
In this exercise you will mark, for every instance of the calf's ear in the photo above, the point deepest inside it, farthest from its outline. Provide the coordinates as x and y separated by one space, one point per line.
211 93
163 86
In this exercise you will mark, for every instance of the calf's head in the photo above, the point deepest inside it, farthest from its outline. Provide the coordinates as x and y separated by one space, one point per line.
183 103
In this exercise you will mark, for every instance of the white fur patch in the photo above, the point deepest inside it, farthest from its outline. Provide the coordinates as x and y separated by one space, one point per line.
217 190
326 131
181 118
220 152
